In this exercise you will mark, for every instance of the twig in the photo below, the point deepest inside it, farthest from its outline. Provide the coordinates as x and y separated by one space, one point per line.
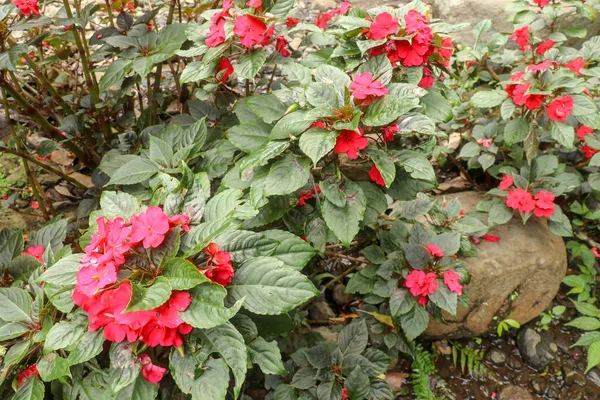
340 276
586 238
272 77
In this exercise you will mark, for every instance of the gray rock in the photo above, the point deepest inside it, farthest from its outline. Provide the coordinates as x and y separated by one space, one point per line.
516 278
320 310
514 393
515 363
496 357
538 350
339 296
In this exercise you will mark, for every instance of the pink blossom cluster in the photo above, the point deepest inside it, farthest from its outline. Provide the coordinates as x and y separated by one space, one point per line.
421 284
541 203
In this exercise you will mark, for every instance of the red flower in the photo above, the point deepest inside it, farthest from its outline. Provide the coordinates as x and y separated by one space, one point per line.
517 93
506 182
344 393
517 76
487 143
434 250
36 252
149 227
26 374
389 132
254 3
375 176
445 51
291 22
226 67
307 195
583 130
521 37
252 30
541 66
451 279
383 26
180 220
544 204
560 109
427 80
541 3
35 205
27 7
595 252
152 373
365 88
323 19
491 238
218 267
421 284
166 326
588 151
545 46
216 34
520 199
350 142
280 46
576 65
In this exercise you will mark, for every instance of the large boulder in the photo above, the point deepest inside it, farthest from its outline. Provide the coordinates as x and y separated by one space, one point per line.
515 278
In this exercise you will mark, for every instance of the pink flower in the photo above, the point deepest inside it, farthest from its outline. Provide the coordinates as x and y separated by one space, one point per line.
36 252
451 279
506 182
541 3
487 143
544 204
252 30
582 131
560 109
216 34
517 76
281 46
218 267
576 65
254 3
541 66
180 220
344 393
520 199
421 284
27 7
491 238
152 373
35 205
375 176
149 227
350 142
521 37
434 250
545 46
26 374
92 276
389 132
365 88
383 26
323 19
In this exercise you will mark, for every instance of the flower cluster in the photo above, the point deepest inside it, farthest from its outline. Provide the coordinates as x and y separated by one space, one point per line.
542 203
422 284
105 299
27 7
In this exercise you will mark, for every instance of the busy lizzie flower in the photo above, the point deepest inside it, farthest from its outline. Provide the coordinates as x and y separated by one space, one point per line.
27 7
36 252
350 142
521 37
421 284
152 373
583 131
544 204
560 109
434 250
26 374
576 65
384 25
506 182
520 199
375 175
451 279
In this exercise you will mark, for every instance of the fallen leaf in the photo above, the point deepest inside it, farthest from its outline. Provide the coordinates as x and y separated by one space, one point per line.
395 379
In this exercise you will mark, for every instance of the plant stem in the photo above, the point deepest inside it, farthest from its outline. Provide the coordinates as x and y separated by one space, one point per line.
272 77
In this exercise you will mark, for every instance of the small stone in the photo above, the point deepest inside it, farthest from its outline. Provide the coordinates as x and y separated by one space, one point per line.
496 357
574 393
515 363
538 350
339 296
324 5
594 377
320 311
514 393
539 385
295 43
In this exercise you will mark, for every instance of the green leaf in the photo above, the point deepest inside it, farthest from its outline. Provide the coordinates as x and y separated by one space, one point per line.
488 99
249 64
401 302
353 338
229 343
63 272
559 223
293 251
90 345
182 274
388 109
417 208
516 131
358 384
593 356
12 330
270 288
321 94
585 323
316 143
196 71
576 31
51 235
330 188
135 171
345 221
160 151
287 175
115 73
11 245
448 242
63 334
562 133
445 299
436 106
267 356
213 382
249 136
499 214
295 72
287 392
414 322
16 305
149 298
222 205
32 389
417 165
244 245
119 204
207 309
385 165
305 378
52 367
329 391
